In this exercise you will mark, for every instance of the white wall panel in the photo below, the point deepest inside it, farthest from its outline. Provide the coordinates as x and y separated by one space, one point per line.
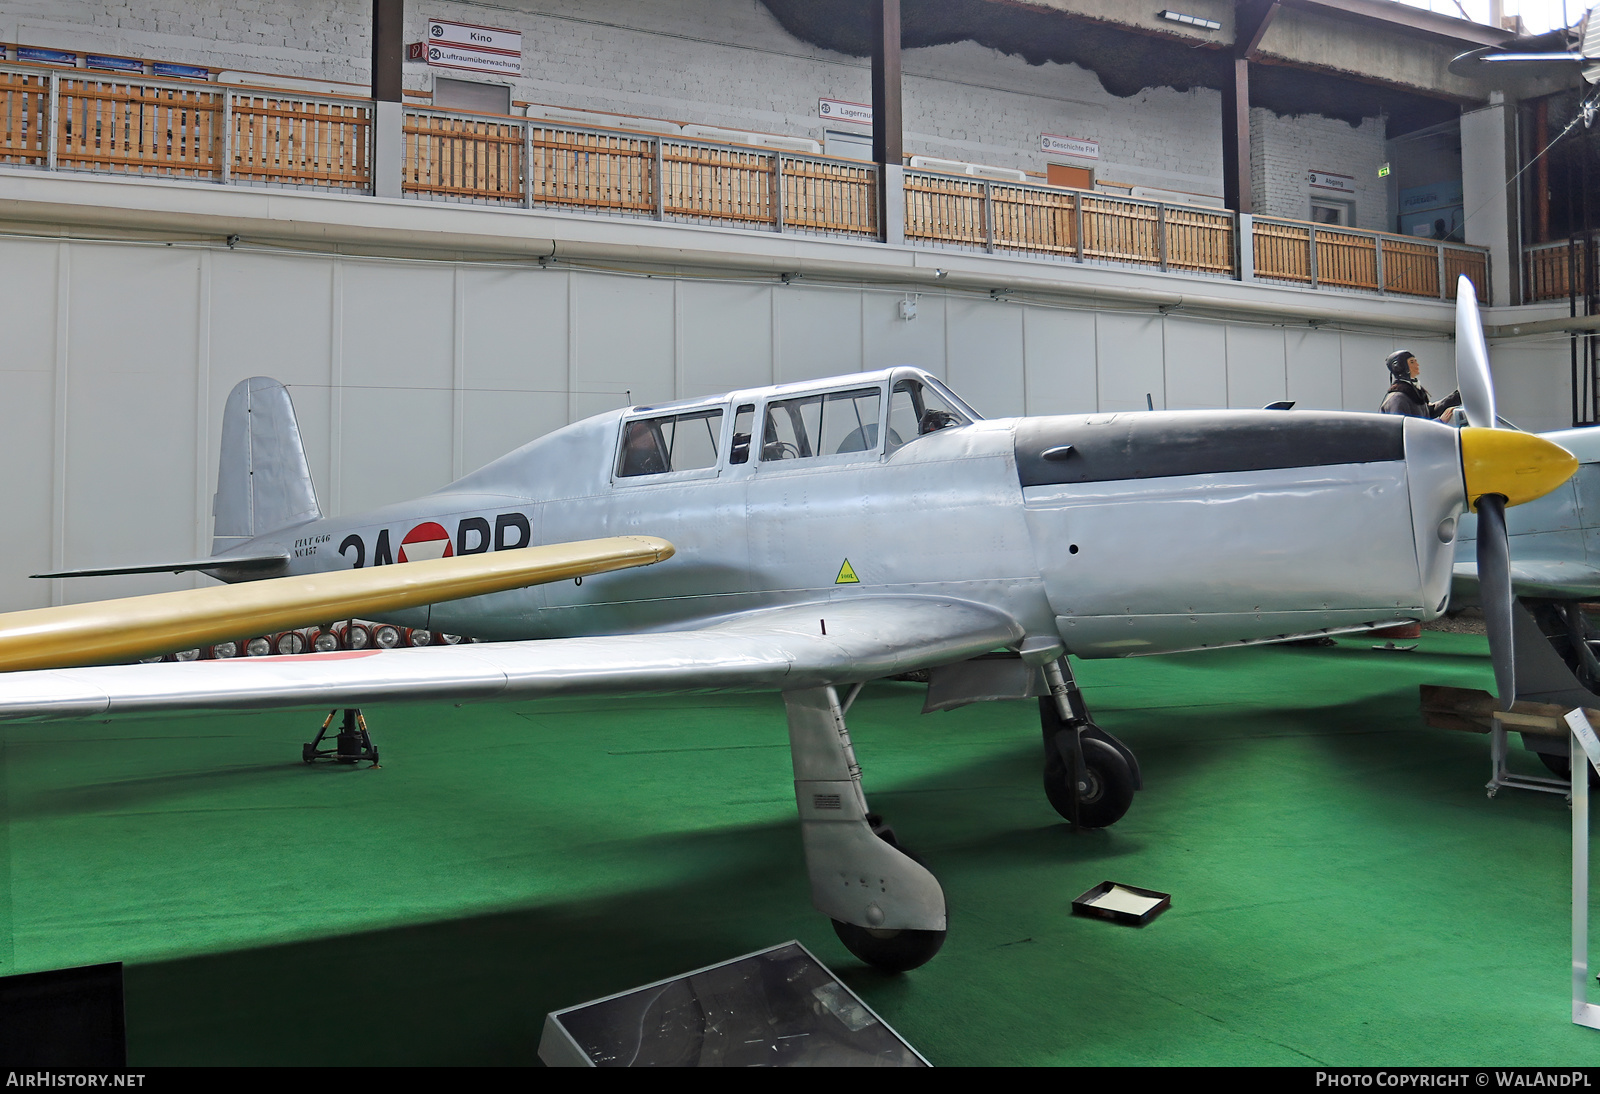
26 485
1533 386
888 341
817 332
1311 359
515 368
28 306
1130 359
1364 378
623 339
724 335
130 462
1058 361
1196 364
396 422
1256 374
984 358
27 418
272 315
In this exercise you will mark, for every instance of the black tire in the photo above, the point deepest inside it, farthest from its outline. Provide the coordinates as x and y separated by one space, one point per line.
891 951
1561 768
1106 791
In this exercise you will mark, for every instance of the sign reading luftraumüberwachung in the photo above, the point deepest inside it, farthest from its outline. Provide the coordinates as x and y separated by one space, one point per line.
474 48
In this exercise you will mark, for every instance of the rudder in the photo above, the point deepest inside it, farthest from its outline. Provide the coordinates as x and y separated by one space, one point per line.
263 480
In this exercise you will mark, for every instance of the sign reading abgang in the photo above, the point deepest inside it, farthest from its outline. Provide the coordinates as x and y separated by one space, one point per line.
474 48
1328 180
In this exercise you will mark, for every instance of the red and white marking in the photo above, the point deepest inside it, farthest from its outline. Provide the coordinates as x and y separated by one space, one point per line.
425 541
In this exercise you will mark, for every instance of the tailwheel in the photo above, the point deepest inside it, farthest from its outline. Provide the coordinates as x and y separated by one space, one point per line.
891 951
1104 788
353 743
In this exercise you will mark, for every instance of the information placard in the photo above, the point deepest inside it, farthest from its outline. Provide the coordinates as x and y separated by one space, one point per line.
473 48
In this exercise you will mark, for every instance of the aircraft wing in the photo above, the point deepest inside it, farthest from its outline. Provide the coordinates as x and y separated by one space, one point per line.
797 646
107 631
1552 578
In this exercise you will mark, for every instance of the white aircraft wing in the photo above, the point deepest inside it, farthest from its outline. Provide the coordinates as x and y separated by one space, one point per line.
1556 578
797 646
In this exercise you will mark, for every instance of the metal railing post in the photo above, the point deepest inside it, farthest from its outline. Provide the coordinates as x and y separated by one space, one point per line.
988 217
1311 241
1161 236
661 182
777 191
1245 236
1443 295
52 122
1377 242
227 135
1077 212
527 164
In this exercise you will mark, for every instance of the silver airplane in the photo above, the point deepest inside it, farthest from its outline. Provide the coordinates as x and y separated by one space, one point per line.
824 534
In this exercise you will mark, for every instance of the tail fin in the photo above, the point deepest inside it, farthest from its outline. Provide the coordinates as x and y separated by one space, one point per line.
263 481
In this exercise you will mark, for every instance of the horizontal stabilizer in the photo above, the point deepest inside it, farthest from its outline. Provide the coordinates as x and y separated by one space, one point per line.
108 631
226 562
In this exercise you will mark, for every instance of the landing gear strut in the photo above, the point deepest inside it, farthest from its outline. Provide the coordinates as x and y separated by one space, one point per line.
886 907
1089 775
352 743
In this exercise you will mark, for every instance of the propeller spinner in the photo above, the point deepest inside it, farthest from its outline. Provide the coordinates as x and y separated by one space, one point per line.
1499 467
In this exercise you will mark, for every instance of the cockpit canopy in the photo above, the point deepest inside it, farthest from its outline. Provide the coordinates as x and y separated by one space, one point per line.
848 418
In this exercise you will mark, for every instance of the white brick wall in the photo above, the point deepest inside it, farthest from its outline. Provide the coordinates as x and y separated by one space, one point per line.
717 62
1283 149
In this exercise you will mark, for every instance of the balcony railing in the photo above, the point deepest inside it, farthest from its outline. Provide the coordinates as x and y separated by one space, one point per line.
83 121
1551 271
76 120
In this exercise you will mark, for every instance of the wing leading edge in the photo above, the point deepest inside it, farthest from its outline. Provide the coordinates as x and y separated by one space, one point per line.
807 645
1558 579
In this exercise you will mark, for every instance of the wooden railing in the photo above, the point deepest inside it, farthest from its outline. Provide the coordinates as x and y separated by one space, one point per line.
508 160
1077 224
67 118
1550 270
81 121
326 143
1322 256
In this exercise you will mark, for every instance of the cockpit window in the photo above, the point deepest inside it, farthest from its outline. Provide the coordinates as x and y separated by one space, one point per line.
822 425
674 442
915 409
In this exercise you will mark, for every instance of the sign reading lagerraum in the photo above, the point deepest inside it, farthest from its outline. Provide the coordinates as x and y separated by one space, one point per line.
837 110
1069 146
474 48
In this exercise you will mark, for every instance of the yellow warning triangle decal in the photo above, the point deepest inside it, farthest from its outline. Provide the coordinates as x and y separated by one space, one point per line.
847 576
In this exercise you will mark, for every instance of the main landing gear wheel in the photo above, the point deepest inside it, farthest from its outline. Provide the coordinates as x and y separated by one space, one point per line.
895 950
891 951
1105 788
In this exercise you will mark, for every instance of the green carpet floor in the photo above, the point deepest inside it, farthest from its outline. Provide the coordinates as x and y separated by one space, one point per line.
1344 892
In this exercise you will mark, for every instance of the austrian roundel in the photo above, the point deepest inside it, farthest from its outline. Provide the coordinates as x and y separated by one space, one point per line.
428 540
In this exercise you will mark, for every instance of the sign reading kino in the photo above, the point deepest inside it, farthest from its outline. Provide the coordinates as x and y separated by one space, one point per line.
474 48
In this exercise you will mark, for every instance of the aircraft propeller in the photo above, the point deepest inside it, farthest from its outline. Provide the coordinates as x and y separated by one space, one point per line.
1494 545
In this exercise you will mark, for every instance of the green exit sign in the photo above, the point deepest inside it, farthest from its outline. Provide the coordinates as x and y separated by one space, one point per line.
1383 170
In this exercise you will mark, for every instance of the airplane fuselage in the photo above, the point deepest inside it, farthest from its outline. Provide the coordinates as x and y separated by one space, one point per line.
1119 533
